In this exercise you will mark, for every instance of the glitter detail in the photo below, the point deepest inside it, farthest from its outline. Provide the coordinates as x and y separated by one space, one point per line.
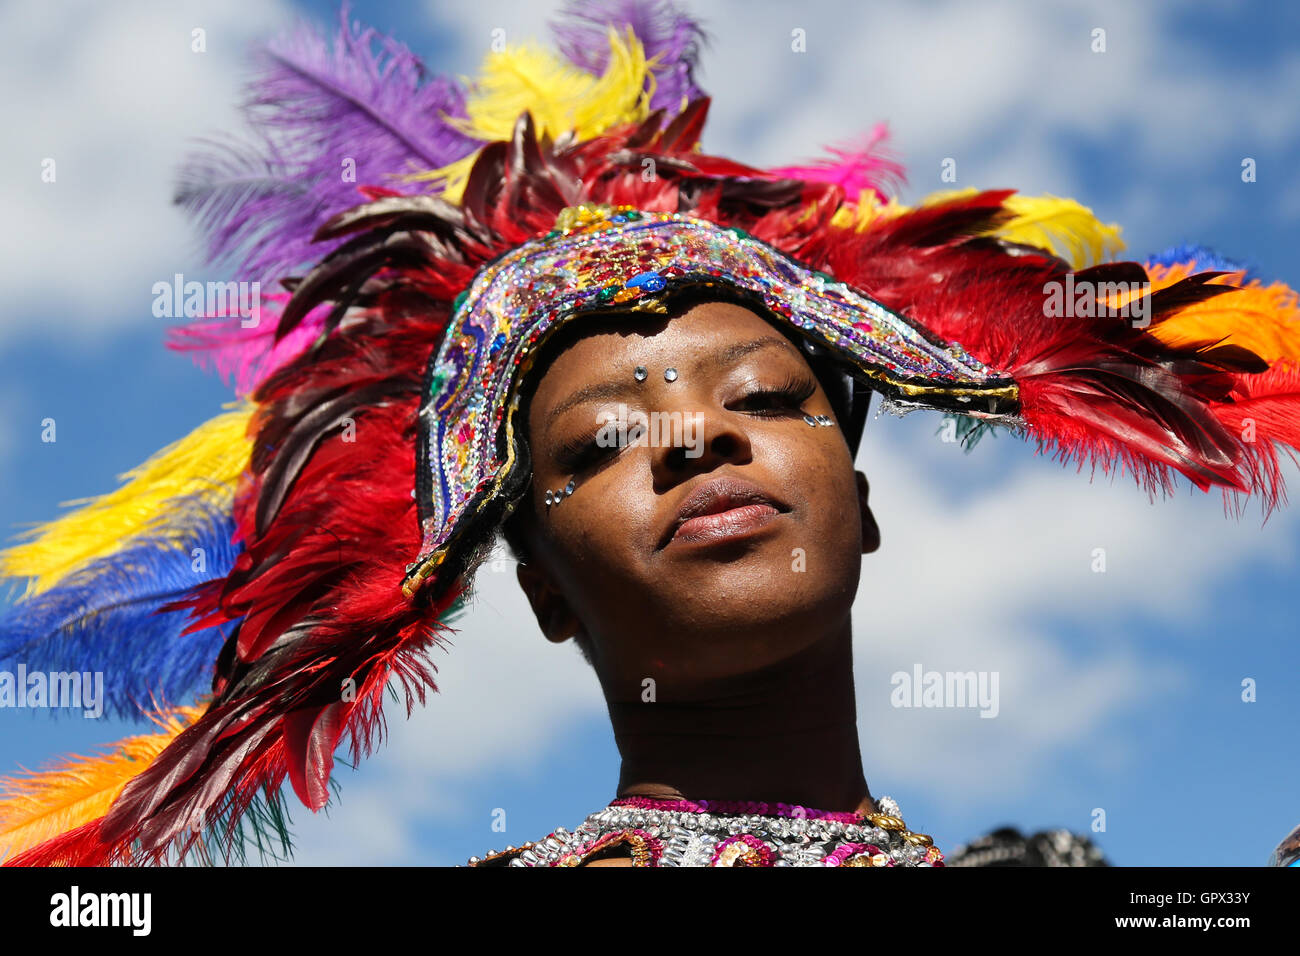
743 849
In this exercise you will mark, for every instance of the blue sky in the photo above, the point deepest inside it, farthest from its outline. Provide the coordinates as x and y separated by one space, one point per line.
1119 691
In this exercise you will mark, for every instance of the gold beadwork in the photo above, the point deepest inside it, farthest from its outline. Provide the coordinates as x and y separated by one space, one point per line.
584 214
1010 392
641 855
886 822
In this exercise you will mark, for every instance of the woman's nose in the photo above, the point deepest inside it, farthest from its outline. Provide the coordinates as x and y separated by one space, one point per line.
697 439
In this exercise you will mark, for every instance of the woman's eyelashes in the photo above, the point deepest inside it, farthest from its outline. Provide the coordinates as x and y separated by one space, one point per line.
581 452
773 401
765 401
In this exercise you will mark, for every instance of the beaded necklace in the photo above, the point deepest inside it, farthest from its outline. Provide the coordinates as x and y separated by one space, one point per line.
659 832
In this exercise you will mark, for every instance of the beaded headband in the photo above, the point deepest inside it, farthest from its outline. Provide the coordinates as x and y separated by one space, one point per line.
604 259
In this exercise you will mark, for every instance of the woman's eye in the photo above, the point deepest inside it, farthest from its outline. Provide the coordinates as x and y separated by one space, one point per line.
784 398
582 453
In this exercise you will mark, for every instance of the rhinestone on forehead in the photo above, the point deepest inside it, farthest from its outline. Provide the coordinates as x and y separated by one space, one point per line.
602 258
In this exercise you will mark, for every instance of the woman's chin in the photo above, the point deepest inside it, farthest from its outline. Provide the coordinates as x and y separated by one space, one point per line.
764 584
745 620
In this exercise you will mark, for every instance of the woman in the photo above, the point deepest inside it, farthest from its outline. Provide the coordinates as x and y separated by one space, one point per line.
570 267
709 584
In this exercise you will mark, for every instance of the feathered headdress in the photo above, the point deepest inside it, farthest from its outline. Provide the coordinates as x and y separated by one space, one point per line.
301 553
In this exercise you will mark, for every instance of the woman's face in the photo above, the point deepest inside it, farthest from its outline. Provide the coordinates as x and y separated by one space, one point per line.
725 537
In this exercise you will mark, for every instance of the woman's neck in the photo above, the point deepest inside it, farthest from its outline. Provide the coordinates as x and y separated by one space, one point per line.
786 734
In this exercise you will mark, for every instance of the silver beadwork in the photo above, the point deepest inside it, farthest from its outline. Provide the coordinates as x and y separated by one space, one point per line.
690 839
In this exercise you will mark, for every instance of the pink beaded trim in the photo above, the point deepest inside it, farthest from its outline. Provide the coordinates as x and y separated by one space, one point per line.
846 850
653 846
737 807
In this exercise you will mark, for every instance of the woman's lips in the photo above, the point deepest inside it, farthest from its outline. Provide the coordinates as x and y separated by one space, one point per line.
723 508
723 525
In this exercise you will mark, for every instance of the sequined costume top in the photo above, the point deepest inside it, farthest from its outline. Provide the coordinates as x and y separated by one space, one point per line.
657 832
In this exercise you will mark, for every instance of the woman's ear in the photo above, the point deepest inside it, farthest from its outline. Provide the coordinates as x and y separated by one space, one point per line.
552 611
870 530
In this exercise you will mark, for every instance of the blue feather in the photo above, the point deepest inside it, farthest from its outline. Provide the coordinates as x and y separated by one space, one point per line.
103 617
1203 259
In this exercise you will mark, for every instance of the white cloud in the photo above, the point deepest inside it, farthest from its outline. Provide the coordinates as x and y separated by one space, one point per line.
964 586
505 694
114 95
990 85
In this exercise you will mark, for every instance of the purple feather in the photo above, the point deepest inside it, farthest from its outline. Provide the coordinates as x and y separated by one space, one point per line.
663 30
326 121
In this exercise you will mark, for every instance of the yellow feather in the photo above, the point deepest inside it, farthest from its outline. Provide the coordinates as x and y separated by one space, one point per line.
868 209
560 96
1063 227
208 460
946 195
76 790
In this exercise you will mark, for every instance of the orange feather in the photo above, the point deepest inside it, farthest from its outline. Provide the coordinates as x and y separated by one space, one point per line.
1264 319
75 790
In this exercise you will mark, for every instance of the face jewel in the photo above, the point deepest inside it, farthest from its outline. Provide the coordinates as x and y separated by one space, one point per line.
568 489
810 420
670 375
640 373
